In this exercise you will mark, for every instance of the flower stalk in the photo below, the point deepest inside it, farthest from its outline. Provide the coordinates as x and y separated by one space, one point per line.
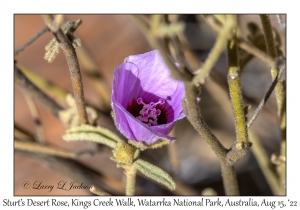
130 172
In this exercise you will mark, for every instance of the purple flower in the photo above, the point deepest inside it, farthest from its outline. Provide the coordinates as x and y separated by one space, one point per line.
145 100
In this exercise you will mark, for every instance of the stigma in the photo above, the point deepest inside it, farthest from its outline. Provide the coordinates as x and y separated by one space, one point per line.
149 112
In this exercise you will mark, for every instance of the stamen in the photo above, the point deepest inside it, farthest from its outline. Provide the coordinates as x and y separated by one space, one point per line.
149 113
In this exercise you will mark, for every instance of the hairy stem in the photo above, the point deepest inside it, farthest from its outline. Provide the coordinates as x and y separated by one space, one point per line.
235 90
130 172
241 146
229 179
73 64
279 93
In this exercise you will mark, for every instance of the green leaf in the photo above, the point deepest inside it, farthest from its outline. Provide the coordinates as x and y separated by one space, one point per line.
155 173
91 133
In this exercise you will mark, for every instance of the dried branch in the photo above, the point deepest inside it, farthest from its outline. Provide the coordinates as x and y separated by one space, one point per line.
242 43
280 94
265 98
180 54
172 152
73 64
44 149
36 93
264 164
29 42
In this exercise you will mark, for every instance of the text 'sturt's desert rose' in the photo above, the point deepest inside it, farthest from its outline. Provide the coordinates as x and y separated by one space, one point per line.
145 100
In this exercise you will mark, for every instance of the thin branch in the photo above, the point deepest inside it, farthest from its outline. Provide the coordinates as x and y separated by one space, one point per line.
180 54
215 51
269 37
280 93
172 152
264 164
38 95
99 192
73 64
265 98
242 43
258 151
19 133
29 42
43 149
53 90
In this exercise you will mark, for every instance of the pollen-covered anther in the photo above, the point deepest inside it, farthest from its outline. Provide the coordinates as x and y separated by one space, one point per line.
149 113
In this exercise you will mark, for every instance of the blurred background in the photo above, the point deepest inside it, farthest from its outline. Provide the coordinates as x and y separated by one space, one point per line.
109 39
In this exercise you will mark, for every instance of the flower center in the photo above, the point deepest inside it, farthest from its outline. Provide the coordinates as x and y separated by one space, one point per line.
149 113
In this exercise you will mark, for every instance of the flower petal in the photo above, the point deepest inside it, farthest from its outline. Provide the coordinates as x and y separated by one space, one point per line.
135 130
145 76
